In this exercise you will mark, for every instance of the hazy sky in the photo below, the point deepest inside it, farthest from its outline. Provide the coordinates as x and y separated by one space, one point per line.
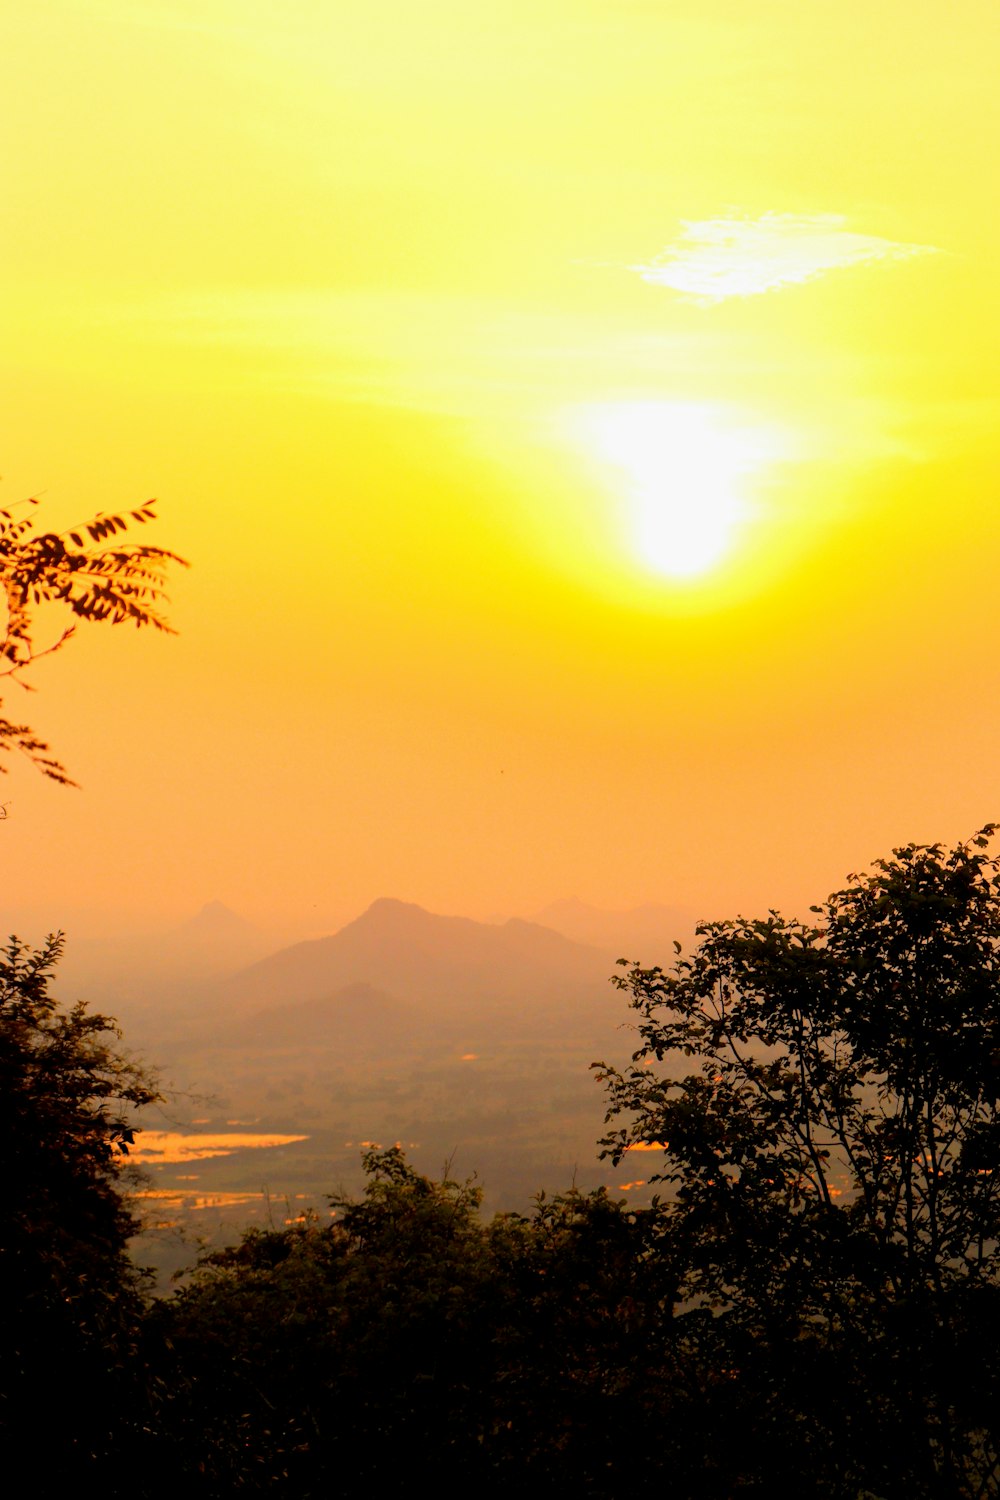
581 420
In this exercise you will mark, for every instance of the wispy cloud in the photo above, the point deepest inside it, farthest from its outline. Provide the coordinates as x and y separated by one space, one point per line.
718 258
438 352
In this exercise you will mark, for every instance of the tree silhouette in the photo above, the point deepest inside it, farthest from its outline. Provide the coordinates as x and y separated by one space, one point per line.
826 1096
117 584
73 1300
406 1336
72 1296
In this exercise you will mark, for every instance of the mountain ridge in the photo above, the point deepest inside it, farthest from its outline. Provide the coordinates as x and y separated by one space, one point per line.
445 965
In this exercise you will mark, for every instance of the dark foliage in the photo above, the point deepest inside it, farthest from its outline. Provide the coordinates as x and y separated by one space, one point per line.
827 1099
407 1338
72 1297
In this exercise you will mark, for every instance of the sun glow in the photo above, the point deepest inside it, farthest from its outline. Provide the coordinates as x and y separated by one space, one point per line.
689 470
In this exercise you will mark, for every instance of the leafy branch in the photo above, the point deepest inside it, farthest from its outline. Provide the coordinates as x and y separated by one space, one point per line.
118 584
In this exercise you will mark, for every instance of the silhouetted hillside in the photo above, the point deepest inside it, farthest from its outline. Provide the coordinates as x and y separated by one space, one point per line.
443 967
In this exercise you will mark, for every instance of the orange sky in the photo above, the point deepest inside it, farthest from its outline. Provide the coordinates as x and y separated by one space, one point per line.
581 420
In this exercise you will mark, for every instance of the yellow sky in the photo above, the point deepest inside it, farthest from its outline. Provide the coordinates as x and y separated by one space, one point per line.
436 329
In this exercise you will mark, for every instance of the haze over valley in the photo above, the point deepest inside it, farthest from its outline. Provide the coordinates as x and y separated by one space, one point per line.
466 1041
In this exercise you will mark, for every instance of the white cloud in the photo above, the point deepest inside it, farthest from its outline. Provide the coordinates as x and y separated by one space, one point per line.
717 258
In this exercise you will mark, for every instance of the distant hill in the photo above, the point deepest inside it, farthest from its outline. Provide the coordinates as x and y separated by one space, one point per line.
217 922
441 1032
216 938
646 933
444 968
355 1017
138 971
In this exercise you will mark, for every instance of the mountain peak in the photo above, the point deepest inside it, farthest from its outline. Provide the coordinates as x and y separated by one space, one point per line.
417 954
216 916
391 905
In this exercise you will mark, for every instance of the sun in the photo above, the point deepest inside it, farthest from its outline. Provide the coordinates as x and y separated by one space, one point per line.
689 468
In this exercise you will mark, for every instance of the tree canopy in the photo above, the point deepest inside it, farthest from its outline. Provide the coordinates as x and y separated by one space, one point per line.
826 1098
72 1296
117 584
405 1336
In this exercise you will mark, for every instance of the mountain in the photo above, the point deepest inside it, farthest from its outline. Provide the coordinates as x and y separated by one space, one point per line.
137 972
216 938
217 921
445 968
355 1017
646 933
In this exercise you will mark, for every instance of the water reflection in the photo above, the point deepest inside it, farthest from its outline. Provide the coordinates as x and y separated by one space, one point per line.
160 1147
